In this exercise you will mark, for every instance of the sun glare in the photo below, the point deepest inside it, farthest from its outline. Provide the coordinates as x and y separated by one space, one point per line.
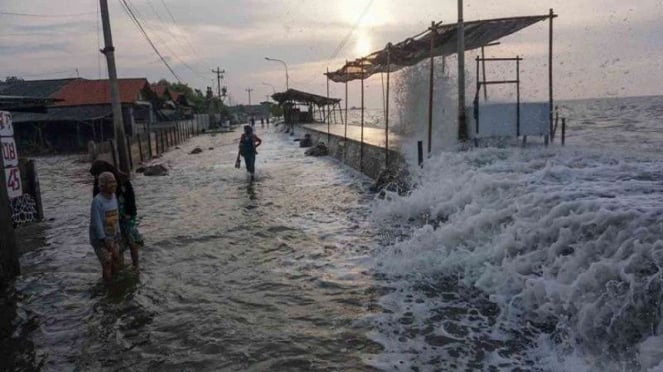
363 44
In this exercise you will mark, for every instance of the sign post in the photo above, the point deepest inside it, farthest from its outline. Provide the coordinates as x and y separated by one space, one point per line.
10 180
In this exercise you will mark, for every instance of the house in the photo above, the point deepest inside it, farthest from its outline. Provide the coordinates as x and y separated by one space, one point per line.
173 105
82 112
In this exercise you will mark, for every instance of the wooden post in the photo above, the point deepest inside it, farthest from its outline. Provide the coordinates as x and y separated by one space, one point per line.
476 102
361 147
550 73
345 133
386 116
131 160
140 147
483 67
113 152
163 141
33 187
563 131
420 153
327 107
462 120
149 143
517 96
431 82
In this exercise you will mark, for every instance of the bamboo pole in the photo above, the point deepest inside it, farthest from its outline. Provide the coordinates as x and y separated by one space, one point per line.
327 107
361 148
462 120
345 133
550 73
386 116
518 96
431 82
483 67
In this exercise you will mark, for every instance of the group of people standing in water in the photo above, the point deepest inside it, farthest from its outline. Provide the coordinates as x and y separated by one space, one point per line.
113 225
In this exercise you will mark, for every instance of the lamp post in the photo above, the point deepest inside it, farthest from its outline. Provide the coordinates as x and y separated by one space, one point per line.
286 69
268 84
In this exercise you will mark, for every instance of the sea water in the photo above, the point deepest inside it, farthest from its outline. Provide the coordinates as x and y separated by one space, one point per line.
531 258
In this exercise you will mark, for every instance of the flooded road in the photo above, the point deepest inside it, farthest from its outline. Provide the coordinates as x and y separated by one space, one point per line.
235 275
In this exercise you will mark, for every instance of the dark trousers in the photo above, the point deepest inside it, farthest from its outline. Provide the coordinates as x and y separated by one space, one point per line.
250 161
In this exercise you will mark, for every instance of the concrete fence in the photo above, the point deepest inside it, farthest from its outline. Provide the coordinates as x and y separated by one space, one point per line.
148 145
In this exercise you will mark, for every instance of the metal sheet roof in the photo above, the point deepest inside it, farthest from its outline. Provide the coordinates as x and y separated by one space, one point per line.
303 97
65 113
417 48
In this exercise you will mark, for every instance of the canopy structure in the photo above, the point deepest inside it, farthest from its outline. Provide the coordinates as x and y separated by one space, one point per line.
297 96
445 42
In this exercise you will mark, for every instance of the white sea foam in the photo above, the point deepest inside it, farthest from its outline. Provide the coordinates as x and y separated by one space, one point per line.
567 243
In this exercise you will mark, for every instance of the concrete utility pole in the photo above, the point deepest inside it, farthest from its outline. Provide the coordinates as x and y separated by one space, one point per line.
249 90
219 76
118 124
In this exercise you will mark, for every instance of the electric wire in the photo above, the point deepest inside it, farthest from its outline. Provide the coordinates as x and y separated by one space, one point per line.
142 31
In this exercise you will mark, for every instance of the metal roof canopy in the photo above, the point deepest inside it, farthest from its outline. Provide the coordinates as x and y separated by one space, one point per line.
297 96
417 48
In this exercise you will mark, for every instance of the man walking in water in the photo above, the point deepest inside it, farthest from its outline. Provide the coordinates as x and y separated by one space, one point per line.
247 148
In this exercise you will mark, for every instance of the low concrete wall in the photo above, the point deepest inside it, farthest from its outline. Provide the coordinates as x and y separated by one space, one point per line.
350 152
161 139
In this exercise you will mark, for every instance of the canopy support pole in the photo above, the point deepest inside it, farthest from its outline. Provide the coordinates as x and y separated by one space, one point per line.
430 87
550 75
462 124
386 116
327 108
361 148
483 67
345 133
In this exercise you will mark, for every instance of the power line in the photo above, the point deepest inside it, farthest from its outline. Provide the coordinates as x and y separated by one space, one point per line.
345 40
175 55
45 15
177 26
142 30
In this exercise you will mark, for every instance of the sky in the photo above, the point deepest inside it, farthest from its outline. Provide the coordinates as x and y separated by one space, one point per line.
602 48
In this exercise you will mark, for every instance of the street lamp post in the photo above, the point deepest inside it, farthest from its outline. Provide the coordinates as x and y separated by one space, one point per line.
268 84
286 69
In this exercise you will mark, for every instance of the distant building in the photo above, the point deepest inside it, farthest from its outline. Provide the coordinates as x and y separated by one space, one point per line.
82 112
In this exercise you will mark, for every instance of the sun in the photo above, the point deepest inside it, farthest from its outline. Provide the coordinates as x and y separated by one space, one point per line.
363 44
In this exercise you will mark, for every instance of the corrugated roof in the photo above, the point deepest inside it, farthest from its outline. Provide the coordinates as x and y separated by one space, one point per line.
66 113
94 92
33 88
417 48
303 97
25 104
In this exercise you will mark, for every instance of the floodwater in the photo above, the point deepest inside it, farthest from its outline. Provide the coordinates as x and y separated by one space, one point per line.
235 275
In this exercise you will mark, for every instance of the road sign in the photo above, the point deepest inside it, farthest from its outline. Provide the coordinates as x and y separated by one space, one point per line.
13 179
6 126
9 156
9 153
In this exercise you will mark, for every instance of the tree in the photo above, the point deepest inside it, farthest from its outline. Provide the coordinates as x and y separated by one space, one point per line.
13 79
194 96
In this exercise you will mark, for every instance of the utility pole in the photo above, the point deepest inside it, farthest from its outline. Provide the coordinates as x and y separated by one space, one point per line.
219 76
249 90
118 124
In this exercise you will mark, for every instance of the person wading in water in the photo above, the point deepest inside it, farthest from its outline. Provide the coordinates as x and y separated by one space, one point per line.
247 148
